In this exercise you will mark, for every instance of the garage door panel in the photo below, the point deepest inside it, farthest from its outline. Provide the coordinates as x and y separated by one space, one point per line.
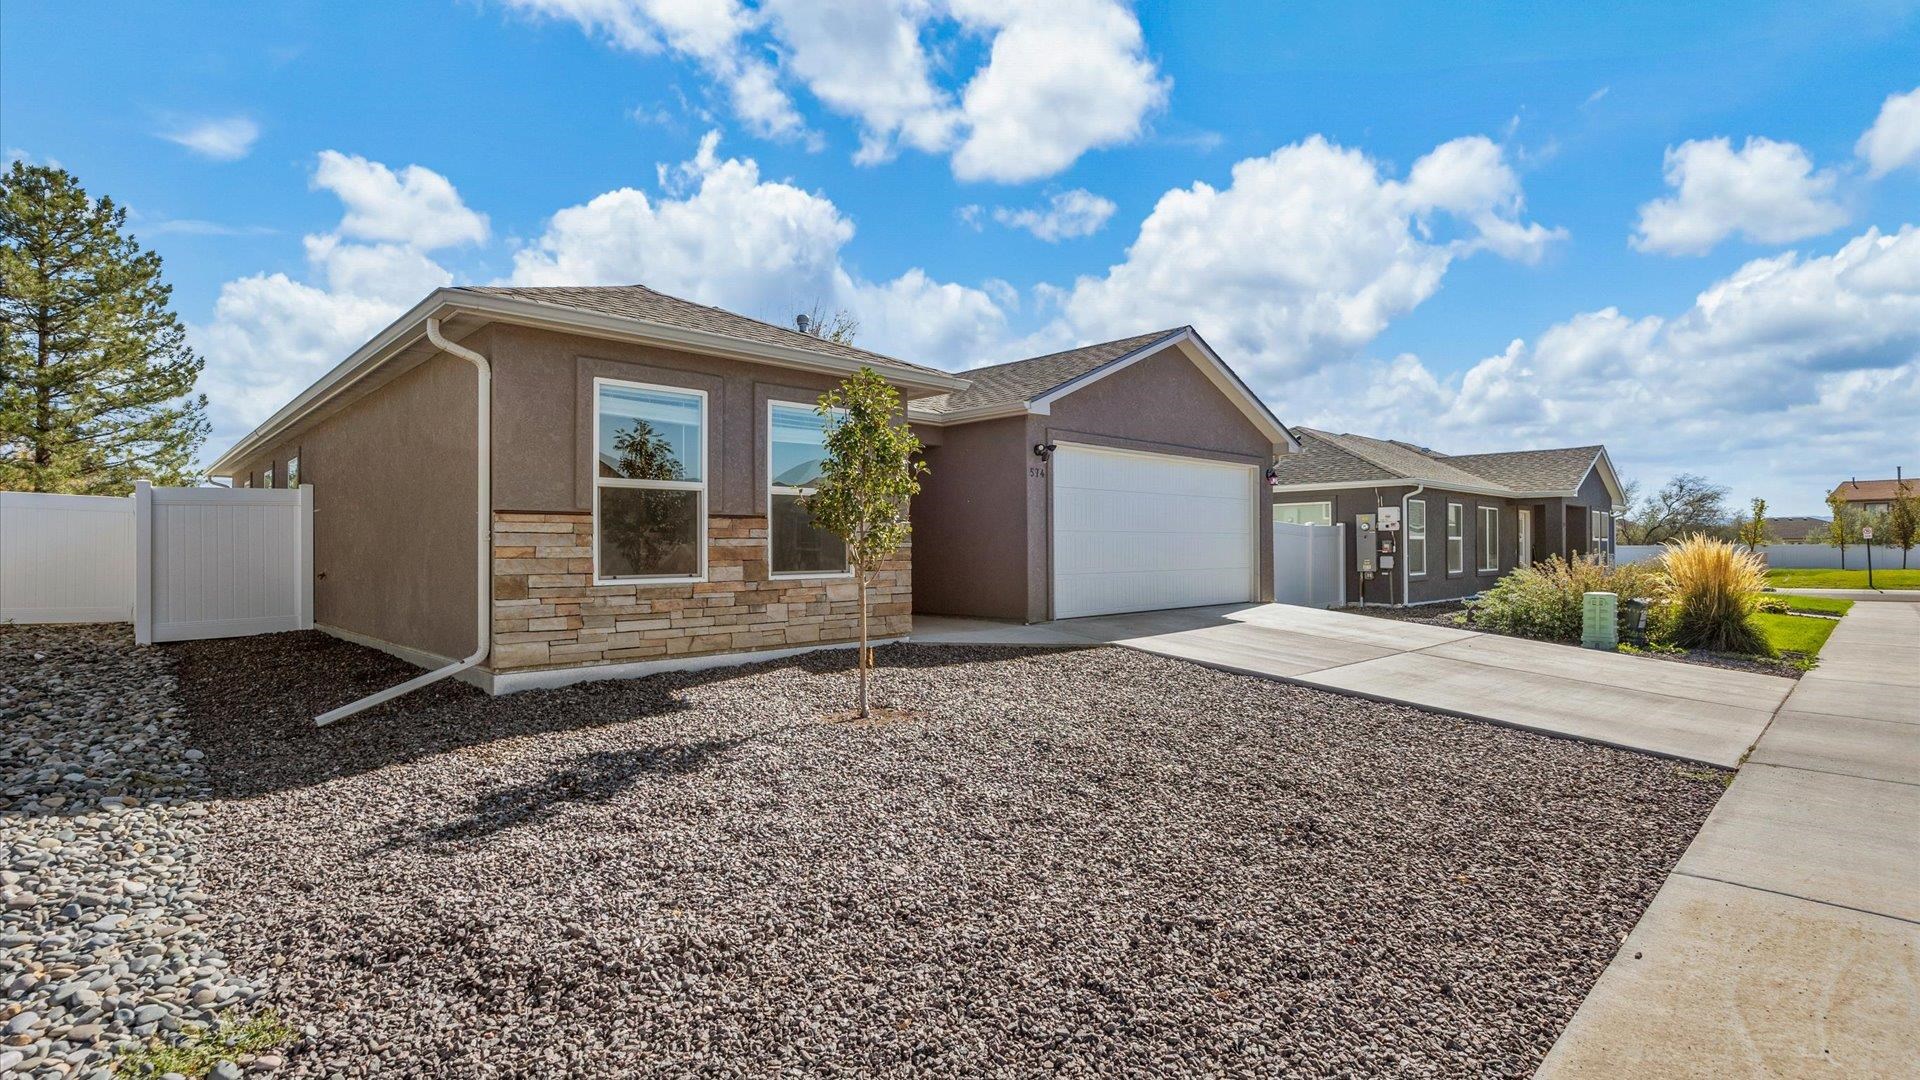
1137 532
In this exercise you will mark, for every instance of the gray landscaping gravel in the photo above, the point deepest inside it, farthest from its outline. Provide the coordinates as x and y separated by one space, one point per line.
102 940
1074 862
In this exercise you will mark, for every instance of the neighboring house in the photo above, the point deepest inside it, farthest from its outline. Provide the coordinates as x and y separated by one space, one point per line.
642 503
1123 476
1798 530
1466 519
1872 497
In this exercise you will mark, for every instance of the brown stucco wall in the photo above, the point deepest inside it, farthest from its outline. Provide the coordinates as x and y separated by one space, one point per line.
970 520
393 509
543 416
982 541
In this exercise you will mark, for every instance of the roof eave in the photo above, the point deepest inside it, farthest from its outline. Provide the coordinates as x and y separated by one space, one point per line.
441 303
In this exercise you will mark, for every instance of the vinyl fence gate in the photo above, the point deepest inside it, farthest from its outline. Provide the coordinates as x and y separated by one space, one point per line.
1309 565
179 563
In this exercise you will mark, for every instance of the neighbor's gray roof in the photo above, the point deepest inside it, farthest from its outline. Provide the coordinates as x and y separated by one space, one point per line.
1560 469
1024 380
647 305
1330 458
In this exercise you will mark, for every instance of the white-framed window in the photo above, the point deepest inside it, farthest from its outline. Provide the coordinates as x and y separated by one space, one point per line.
649 483
1416 538
266 476
293 471
1487 544
1304 513
796 449
1456 539
1602 531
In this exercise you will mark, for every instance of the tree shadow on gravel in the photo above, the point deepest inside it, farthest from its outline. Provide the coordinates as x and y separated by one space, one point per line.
590 778
250 704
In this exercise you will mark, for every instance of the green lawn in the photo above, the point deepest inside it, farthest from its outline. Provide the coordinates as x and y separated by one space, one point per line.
1817 605
1794 633
1843 579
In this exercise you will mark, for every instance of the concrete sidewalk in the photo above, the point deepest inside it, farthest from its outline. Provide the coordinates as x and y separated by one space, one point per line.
1787 940
1688 711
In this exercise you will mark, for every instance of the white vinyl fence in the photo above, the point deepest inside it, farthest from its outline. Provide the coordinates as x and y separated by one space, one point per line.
1797 556
1309 564
178 563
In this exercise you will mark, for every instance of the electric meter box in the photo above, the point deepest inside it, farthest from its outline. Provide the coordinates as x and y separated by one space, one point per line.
1389 519
1366 544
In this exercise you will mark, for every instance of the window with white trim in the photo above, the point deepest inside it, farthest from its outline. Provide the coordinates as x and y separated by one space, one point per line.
1456 539
1487 544
796 450
1602 531
293 471
1416 538
266 476
649 482
1305 513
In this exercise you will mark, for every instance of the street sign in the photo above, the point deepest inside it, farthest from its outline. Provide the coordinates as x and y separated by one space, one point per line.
1866 533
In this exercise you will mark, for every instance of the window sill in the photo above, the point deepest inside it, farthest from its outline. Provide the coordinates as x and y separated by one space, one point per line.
845 575
649 582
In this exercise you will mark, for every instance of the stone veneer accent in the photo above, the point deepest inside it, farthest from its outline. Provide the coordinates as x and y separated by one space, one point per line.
548 613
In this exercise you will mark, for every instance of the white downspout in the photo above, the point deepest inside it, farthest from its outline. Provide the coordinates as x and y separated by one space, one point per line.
483 583
1406 580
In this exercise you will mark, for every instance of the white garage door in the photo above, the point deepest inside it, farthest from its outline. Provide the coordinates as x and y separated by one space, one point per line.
1138 532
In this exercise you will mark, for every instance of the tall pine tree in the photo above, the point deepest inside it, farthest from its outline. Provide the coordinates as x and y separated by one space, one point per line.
96 379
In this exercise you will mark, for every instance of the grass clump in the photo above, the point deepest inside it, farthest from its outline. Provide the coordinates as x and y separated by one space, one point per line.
1712 589
1543 600
200 1050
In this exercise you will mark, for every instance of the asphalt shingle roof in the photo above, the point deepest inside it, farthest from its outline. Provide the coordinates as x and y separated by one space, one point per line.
1872 490
1560 469
1330 458
648 305
1024 380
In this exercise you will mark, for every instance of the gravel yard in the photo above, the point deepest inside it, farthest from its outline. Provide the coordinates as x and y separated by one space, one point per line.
102 941
1081 862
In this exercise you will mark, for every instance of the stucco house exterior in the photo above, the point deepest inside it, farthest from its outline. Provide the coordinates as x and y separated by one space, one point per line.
637 505
1871 497
1466 519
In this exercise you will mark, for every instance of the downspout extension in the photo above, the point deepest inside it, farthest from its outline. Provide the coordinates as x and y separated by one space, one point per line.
483 580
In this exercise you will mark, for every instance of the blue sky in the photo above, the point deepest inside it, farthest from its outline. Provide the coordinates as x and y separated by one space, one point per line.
1503 225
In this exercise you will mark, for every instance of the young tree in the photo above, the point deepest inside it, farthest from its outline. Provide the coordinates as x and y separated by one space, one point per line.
1903 519
1751 530
870 472
96 379
1687 504
1844 529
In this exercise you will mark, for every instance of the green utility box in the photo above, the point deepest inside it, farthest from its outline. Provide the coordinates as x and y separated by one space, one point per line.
1599 620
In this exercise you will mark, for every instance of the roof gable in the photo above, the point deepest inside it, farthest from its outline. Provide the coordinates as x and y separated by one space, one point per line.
1560 471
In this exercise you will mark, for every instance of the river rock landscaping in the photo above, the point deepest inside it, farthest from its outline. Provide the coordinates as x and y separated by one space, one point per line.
1076 862
103 943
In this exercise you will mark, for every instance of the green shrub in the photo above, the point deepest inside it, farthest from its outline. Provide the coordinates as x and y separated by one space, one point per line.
1712 589
1772 605
1543 600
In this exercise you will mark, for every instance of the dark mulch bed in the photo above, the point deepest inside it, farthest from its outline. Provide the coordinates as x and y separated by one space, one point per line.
1455 615
1083 862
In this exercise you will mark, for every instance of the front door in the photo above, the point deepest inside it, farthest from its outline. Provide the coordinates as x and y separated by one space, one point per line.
1523 537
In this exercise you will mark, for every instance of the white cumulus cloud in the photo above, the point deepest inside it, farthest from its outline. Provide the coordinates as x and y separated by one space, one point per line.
1785 374
1767 192
1893 141
227 138
1308 254
1066 215
272 335
1058 79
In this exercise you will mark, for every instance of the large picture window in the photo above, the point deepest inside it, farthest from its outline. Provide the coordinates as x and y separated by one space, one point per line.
1416 538
649 484
796 447
1306 513
1456 539
1487 544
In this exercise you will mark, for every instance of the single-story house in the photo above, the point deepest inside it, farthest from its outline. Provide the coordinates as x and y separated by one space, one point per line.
1466 519
1794 529
638 503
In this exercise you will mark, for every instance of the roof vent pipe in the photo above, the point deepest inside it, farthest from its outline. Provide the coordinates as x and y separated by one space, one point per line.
483 577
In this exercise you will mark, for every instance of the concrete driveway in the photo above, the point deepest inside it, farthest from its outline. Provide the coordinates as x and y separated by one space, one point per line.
1679 710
